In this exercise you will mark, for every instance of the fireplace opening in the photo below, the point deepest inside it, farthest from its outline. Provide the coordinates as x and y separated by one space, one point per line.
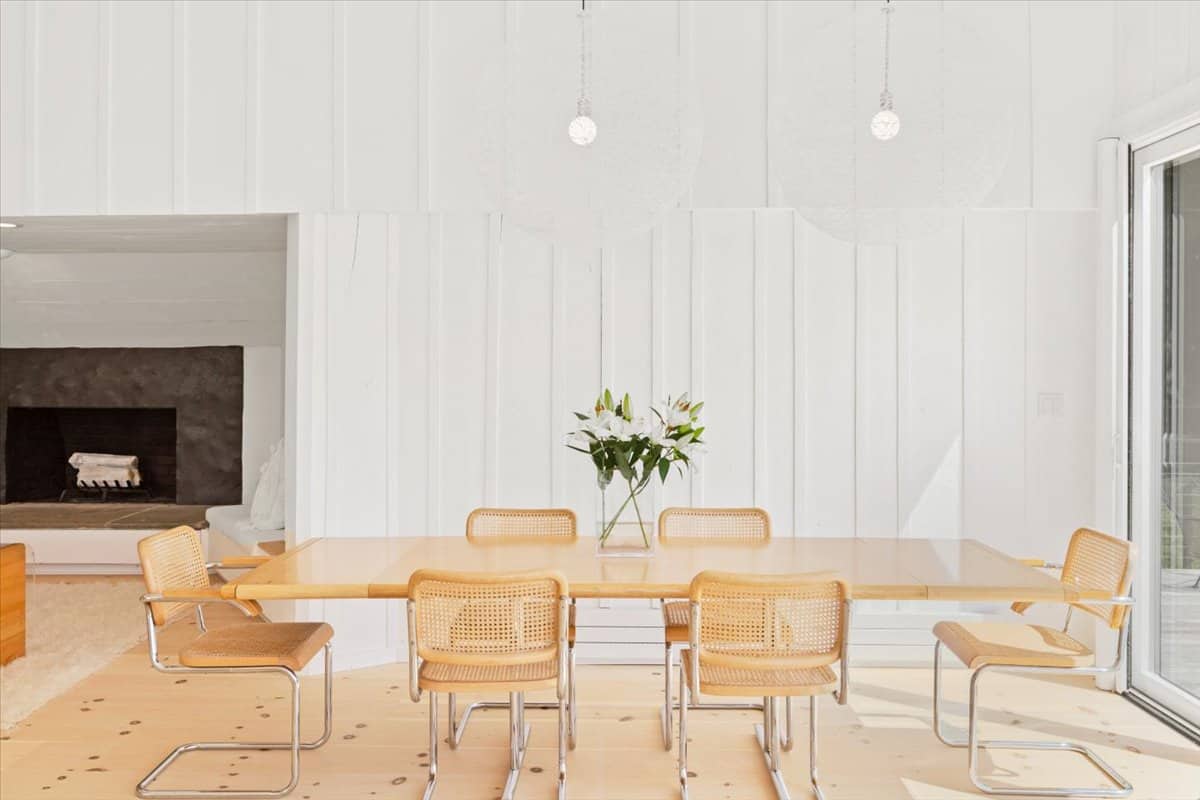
40 440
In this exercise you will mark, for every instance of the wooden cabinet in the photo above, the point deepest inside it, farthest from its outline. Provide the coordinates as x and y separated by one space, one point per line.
12 602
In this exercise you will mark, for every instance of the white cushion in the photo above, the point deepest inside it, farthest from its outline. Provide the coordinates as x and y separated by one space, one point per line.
266 512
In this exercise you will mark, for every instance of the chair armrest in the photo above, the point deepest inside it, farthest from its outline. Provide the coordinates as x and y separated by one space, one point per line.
1040 563
238 562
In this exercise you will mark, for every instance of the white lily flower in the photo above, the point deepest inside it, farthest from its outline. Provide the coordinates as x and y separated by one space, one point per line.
676 417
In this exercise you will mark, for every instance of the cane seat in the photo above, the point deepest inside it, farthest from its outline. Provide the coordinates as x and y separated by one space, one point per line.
258 644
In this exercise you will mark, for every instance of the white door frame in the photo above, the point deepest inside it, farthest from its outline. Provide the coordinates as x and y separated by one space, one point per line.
1145 411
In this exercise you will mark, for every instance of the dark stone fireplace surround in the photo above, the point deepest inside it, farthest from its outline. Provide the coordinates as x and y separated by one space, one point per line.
202 384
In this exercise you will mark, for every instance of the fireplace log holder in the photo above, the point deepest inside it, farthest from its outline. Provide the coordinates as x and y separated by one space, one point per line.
100 489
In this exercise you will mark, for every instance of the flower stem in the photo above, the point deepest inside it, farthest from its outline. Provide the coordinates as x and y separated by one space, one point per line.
641 523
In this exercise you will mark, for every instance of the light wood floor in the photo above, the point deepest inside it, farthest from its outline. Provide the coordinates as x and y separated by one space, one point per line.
97 740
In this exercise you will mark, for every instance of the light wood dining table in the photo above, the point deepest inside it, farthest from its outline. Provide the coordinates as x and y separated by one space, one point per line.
877 569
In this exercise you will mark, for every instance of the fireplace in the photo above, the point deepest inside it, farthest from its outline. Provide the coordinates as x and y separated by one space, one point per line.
178 409
41 439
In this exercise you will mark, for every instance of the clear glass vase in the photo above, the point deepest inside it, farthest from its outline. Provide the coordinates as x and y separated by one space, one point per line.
626 525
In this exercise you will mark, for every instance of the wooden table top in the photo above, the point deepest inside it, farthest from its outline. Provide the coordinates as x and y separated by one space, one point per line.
878 569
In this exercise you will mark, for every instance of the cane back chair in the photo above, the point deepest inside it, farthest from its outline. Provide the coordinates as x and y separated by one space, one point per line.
728 525
470 631
498 525
771 636
173 563
1094 561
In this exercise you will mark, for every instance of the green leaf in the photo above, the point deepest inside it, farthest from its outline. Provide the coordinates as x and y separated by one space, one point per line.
694 410
664 469
581 417
623 464
579 449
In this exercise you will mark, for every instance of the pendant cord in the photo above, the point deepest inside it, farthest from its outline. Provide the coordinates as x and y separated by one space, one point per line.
585 103
885 97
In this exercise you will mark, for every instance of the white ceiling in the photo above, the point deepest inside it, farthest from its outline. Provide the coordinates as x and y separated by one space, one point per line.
146 234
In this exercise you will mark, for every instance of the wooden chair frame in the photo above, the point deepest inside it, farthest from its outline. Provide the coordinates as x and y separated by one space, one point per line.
294 743
519 730
1117 618
458 725
670 704
768 733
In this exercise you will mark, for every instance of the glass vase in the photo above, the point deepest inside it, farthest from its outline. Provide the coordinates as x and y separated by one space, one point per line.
626 525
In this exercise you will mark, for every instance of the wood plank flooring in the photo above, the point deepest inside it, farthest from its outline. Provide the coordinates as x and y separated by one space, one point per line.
97 740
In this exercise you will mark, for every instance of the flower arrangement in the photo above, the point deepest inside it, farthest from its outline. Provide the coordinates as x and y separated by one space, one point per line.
637 447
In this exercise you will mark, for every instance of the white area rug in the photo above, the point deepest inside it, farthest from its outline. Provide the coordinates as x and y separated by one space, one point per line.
72 630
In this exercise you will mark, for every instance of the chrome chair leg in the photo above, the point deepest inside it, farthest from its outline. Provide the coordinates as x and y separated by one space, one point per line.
563 713
937 700
433 747
812 746
294 744
665 713
518 739
670 705
684 702
973 744
458 725
1120 788
572 708
769 743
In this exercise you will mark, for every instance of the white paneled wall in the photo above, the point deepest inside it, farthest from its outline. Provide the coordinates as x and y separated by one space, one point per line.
136 106
938 389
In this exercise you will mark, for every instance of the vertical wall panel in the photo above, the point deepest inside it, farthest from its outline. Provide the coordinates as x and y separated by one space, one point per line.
579 273
141 119
217 98
465 50
1072 99
381 137
67 124
462 337
876 382
1170 66
409 372
730 39
357 368
295 106
14 62
1004 26
1060 402
929 405
827 385
677 331
526 423
1135 54
728 243
779 382
994 377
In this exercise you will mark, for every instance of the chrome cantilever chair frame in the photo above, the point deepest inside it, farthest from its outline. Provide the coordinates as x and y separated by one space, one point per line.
973 743
768 732
518 729
671 705
294 744
458 725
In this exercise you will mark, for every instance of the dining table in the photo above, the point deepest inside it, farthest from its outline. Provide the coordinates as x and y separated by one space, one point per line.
876 568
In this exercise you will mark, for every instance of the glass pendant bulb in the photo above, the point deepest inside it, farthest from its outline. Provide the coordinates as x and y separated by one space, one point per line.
582 130
885 124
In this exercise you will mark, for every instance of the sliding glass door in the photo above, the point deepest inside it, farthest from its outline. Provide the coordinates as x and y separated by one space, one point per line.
1165 406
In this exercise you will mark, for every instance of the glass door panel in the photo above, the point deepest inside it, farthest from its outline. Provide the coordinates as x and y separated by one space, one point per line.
1165 661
